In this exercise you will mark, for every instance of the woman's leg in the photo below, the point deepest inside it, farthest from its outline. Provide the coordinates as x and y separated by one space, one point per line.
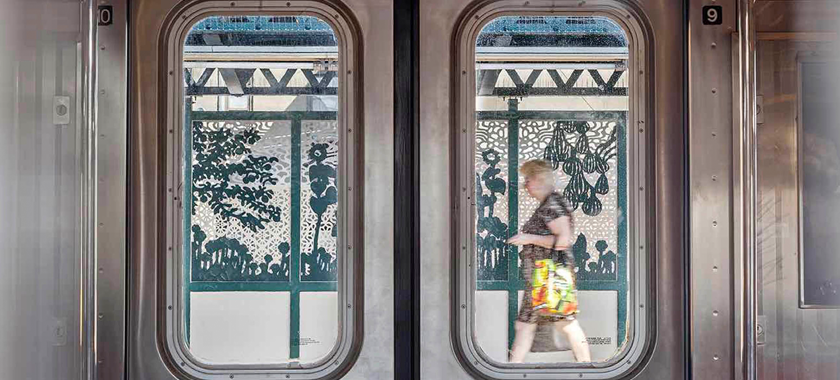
577 339
522 342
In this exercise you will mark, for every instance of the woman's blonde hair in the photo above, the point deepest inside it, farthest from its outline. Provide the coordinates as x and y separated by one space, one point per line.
536 168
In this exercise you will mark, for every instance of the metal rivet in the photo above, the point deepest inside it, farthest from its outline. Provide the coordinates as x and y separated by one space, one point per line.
171 131
101 316
101 270
349 72
169 307
183 364
641 306
715 313
463 306
101 92
527 3
171 72
641 189
102 47
714 134
641 121
714 45
715 268
170 248
464 72
580 375
231 376
288 5
714 91
716 357
463 189
169 189
349 131
714 223
641 247
349 188
349 306
641 130
714 178
233 5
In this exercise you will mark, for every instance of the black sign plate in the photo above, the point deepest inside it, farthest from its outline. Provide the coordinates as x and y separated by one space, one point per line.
712 15
106 15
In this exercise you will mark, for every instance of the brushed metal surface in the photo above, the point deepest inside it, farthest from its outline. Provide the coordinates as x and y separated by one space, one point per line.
664 220
149 168
712 229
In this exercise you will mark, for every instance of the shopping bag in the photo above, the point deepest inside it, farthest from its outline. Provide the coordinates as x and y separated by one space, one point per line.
553 290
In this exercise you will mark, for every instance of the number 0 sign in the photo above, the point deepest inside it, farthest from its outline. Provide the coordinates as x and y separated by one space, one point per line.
712 15
106 15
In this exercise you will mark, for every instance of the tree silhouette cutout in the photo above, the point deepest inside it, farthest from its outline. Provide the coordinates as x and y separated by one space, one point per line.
605 269
231 179
491 249
226 259
321 265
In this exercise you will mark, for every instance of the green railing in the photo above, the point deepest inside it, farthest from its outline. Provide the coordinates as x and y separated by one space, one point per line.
492 233
505 278
238 271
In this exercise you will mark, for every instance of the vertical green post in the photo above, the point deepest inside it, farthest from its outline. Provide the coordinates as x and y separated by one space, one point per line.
294 260
187 210
621 259
513 216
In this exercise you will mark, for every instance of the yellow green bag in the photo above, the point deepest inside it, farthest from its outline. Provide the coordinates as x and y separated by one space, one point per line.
554 290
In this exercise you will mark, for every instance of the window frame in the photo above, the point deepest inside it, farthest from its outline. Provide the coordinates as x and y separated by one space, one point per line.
804 58
640 327
172 314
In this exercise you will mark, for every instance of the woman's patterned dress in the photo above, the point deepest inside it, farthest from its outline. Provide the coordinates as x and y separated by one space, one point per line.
553 207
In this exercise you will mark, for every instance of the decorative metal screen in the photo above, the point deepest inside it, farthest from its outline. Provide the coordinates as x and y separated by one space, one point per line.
588 151
263 204
252 184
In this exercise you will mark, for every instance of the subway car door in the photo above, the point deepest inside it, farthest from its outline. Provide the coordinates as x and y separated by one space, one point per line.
261 218
260 203
594 90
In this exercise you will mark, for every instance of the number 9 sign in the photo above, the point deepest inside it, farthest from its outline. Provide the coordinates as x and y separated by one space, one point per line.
712 15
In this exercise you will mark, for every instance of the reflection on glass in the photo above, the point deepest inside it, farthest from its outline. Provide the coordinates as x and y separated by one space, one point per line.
820 186
797 205
552 89
261 227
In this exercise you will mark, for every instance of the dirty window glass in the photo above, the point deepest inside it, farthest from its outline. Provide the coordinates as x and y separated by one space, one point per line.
551 88
261 201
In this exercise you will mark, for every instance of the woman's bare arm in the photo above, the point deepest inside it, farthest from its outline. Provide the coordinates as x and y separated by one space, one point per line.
561 229
560 238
